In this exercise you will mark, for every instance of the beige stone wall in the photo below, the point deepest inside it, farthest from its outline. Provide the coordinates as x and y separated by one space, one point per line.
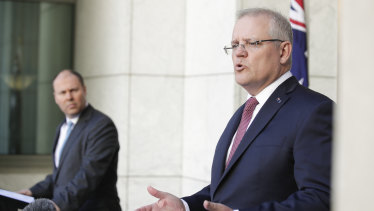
353 166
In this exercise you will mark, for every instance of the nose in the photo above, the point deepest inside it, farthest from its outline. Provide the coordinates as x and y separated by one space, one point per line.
241 51
69 95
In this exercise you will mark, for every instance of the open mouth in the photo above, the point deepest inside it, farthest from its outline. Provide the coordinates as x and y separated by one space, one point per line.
239 67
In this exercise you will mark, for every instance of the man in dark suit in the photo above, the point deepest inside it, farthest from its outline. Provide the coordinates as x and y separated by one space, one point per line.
275 153
85 153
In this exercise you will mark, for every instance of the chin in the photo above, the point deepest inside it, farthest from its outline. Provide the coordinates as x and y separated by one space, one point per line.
241 81
72 113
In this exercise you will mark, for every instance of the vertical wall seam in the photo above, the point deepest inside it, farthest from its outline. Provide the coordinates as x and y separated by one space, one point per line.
131 9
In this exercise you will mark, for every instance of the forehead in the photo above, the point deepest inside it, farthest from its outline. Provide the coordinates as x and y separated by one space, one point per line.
65 80
251 27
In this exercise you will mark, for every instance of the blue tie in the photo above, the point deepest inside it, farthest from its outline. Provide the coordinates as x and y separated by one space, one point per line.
70 127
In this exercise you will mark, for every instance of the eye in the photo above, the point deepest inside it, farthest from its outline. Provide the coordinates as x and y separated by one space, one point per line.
255 43
235 45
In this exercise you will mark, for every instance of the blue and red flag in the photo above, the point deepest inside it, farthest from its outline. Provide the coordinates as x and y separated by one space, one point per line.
299 53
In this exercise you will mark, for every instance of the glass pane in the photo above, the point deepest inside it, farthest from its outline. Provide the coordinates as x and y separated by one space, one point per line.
36 41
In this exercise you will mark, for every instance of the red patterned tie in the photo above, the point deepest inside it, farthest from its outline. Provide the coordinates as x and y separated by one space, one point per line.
246 118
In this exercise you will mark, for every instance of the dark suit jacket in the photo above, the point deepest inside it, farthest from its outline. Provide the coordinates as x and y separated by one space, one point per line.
284 160
87 174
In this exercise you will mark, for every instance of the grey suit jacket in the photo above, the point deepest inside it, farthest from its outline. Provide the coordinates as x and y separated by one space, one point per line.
87 174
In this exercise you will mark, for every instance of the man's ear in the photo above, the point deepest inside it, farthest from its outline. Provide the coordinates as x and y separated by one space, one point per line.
285 50
85 91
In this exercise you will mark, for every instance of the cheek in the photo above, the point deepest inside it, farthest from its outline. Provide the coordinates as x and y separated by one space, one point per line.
267 61
58 100
82 97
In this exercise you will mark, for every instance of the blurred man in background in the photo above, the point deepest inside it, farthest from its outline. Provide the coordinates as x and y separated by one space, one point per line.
85 153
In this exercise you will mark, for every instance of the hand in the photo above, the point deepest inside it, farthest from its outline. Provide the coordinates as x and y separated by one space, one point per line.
26 192
211 206
166 202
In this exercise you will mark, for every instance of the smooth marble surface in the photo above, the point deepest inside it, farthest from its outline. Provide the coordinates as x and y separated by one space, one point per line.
208 107
102 37
209 27
353 147
322 35
191 186
158 37
156 109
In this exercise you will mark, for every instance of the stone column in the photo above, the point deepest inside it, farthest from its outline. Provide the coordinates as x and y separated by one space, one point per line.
209 99
353 145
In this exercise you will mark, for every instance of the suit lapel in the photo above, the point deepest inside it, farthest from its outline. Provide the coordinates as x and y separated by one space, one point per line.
223 144
54 149
267 112
56 137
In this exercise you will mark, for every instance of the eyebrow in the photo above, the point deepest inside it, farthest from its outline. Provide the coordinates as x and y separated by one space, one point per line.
246 40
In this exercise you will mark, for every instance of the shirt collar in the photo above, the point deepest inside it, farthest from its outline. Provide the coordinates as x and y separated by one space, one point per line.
263 96
74 120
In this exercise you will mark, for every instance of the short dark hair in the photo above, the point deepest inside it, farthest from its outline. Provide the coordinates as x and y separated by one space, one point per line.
41 204
79 76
